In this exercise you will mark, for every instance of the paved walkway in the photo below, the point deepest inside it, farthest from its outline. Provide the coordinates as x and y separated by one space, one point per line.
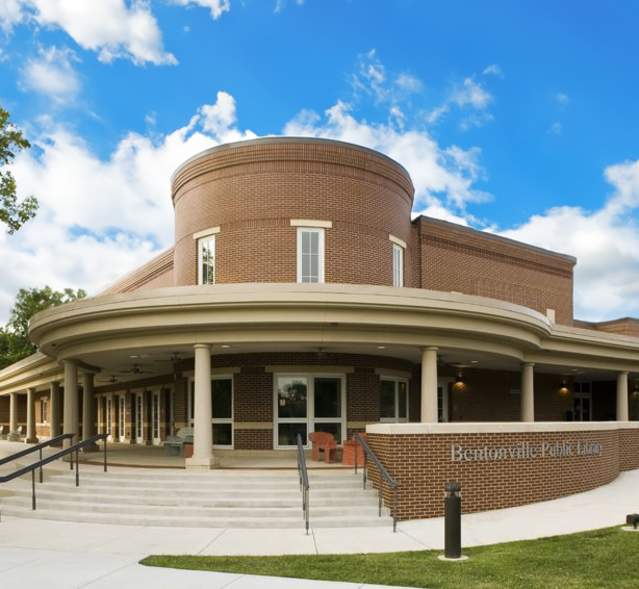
69 555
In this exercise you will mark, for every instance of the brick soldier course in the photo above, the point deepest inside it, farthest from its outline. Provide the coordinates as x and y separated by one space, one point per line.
468 327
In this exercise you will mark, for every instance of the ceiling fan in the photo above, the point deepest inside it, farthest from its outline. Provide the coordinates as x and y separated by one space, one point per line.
135 369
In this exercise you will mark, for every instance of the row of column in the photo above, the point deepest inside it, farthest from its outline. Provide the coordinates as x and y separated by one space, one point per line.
429 413
70 409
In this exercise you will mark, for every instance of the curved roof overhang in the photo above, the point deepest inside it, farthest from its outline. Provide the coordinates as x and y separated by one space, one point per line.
321 314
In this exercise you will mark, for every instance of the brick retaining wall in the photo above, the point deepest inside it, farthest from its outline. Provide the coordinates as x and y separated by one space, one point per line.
422 464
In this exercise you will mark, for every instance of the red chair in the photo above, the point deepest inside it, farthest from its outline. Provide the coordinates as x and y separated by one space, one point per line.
322 442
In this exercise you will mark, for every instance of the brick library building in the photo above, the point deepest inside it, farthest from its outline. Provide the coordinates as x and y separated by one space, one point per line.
301 297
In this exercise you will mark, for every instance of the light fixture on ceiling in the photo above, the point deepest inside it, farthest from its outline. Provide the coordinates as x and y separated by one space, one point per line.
564 391
381 347
459 384
474 361
225 346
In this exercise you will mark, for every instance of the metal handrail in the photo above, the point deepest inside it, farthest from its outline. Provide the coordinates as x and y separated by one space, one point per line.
35 448
383 473
75 448
303 477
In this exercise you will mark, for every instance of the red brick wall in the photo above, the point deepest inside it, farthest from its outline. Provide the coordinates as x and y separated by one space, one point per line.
252 191
455 258
421 463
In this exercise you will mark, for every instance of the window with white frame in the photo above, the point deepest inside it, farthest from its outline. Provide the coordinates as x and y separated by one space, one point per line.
310 254
206 260
398 266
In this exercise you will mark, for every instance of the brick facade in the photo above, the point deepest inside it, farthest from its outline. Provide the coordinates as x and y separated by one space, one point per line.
422 464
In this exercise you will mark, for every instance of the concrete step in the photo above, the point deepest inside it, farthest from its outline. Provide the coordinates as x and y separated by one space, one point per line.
248 499
217 499
275 514
195 522
206 484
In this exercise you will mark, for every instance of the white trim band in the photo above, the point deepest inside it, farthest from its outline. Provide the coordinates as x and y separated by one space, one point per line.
499 427
206 232
311 223
397 240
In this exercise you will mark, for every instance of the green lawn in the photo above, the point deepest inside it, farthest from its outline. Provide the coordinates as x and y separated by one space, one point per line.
599 559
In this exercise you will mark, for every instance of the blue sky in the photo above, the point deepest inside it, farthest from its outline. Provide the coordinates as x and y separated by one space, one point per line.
513 117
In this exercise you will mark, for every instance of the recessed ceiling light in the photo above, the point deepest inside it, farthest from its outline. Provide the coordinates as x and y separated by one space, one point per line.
474 361
381 347
134 356
225 346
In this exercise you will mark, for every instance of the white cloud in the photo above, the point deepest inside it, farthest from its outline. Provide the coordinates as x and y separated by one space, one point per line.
437 173
280 5
493 70
605 242
555 129
217 7
219 119
471 98
562 99
99 218
471 93
11 13
52 73
113 28
371 78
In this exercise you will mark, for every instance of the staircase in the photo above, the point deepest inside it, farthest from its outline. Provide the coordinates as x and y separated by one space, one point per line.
212 499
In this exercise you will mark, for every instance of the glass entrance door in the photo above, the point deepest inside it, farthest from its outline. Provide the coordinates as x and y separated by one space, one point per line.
109 416
582 402
139 418
308 403
292 410
394 400
121 418
443 410
222 391
155 418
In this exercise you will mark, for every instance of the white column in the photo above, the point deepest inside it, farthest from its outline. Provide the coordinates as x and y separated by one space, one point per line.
429 385
71 413
31 422
54 409
622 397
528 392
13 415
203 411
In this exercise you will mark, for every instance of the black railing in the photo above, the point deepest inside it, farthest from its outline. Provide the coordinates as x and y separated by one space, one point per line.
73 451
36 448
303 476
384 476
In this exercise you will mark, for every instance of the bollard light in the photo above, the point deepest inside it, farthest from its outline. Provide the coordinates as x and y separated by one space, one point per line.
452 523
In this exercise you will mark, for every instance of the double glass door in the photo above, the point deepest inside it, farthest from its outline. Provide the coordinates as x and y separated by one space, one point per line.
582 401
394 400
222 407
308 403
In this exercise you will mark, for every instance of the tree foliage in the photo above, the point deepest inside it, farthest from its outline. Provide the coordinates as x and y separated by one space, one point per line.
14 338
13 213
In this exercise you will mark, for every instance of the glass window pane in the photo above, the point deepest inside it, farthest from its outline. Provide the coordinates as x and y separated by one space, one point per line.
331 428
328 398
387 401
222 391
192 398
222 434
291 396
402 398
287 433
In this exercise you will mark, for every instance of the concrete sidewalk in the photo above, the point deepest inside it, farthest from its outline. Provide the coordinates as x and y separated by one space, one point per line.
66 554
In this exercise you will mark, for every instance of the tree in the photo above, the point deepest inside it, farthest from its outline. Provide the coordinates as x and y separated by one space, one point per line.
13 214
14 338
